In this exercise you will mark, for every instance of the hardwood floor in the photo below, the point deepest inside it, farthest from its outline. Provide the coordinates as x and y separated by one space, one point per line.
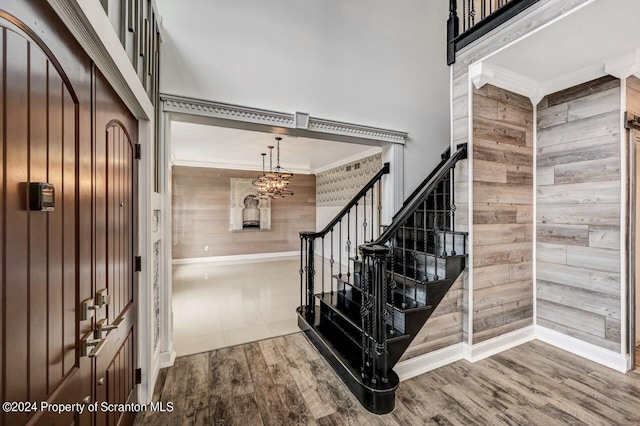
284 381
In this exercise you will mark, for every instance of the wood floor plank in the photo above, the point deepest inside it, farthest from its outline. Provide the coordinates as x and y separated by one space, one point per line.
270 406
284 381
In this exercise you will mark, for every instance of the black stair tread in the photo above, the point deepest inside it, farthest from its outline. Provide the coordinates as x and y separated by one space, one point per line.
409 303
399 278
349 310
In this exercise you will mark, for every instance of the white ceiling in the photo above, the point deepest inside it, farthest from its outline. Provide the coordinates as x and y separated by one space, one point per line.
574 48
198 144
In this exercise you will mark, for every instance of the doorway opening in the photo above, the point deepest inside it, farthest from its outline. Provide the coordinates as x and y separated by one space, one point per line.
235 256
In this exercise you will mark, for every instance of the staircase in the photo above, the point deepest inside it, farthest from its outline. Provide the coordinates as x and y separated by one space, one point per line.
379 294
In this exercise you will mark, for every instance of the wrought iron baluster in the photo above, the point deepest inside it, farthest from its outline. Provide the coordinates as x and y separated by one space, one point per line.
323 265
425 239
364 218
331 261
372 221
464 15
472 13
453 208
443 185
415 246
340 250
356 224
404 267
349 248
392 285
379 208
301 271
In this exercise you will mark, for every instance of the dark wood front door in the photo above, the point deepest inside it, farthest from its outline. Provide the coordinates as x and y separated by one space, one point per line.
115 248
62 124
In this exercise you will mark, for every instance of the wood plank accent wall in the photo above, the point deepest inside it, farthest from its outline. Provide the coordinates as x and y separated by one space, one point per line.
502 212
578 214
201 199
531 19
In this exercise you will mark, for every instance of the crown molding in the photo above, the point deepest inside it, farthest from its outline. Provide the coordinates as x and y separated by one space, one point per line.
231 166
580 76
624 66
317 126
482 73
92 29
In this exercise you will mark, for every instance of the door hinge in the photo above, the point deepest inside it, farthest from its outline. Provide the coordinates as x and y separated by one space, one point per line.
138 263
138 152
138 376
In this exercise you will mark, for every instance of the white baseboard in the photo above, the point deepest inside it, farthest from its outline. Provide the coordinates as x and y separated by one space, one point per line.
167 359
424 363
498 344
613 360
236 258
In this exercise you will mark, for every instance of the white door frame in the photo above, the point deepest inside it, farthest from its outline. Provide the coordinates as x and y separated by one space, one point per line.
178 108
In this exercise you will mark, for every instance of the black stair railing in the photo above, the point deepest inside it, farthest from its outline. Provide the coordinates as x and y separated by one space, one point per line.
425 230
349 228
477 17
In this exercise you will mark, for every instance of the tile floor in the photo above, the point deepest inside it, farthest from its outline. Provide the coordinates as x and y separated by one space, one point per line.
216 305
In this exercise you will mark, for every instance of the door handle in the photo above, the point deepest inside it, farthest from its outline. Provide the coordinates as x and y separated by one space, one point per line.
101 326
91 347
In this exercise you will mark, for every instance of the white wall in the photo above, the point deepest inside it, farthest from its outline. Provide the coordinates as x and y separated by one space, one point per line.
374 62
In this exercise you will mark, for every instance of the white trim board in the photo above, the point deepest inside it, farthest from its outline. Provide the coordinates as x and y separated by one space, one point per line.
424 363
255 257
613 360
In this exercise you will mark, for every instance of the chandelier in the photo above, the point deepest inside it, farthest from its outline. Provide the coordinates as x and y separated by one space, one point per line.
275 182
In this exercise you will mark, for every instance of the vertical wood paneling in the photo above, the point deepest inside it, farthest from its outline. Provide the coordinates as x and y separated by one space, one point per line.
578 214
38 361
503 198
16 221
56 234
3 196
68 199
119 375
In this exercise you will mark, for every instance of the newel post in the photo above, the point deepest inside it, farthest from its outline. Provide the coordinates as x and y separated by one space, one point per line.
308 269
378 256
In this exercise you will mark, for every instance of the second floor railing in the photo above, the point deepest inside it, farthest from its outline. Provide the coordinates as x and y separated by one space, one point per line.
471 19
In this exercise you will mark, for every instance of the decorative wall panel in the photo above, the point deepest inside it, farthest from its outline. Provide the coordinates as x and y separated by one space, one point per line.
578 197
502 212
337 186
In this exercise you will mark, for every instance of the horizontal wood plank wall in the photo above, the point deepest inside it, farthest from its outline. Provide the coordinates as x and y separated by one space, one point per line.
502 212
201 209
578 219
